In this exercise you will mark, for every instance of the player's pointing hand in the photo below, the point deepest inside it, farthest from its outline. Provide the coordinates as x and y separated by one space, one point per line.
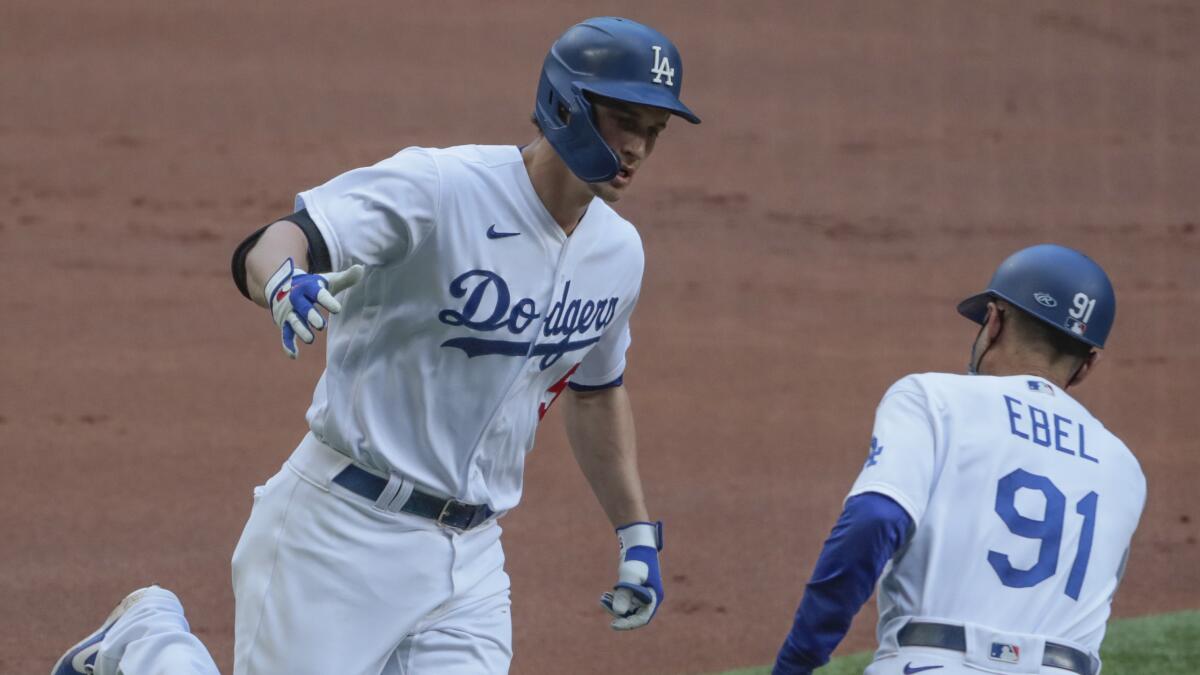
294 296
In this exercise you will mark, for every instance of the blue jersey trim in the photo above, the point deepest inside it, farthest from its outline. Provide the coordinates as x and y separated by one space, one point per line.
870 530
587 387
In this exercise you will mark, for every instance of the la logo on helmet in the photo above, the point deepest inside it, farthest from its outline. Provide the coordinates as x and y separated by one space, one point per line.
662 68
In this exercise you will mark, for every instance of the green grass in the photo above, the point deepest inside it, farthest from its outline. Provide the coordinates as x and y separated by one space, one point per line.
1166 644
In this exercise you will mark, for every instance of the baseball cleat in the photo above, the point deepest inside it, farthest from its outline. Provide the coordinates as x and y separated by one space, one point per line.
81 659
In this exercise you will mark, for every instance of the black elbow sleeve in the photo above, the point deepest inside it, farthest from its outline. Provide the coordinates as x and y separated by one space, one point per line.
318 253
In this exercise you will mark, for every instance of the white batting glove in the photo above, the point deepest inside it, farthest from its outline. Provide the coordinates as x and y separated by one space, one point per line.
639 592
294 296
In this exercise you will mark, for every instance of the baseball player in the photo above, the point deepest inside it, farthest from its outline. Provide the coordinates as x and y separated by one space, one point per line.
997 508
471 287
467 289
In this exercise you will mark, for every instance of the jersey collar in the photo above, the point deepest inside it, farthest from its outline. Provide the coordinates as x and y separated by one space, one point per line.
545 222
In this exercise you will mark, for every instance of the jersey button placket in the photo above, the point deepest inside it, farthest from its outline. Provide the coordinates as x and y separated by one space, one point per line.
556 291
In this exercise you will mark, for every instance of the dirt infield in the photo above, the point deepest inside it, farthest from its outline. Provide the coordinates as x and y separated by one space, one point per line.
861 166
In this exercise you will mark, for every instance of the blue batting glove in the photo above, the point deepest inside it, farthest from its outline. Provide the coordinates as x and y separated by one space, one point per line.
294 296
639 591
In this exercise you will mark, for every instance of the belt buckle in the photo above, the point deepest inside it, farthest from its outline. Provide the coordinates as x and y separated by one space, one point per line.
441 519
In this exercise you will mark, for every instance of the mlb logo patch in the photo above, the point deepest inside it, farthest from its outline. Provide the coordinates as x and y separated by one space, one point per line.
1076 326
1039 386
1005 652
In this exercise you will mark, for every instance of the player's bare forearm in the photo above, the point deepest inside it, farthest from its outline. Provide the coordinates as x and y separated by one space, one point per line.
279 242
600 429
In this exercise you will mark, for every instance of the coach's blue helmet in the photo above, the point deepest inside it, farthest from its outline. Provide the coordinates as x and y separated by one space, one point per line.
1056 284
610 57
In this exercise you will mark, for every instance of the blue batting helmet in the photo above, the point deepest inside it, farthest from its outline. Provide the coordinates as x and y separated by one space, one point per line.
1056 284
611 57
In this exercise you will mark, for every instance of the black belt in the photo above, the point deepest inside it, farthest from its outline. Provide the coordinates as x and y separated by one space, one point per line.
944 636
446 512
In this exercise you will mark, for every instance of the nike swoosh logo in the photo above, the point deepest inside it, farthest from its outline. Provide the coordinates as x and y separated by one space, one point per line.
493 234
909 670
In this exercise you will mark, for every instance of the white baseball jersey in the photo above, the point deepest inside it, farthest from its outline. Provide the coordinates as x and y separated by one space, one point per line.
474 313
1024 506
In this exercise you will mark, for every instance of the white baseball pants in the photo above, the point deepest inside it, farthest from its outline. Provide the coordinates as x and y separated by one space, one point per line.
152 638
328 582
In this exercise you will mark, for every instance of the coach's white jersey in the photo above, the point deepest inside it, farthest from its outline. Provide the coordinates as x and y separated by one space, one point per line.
474 313
1024 506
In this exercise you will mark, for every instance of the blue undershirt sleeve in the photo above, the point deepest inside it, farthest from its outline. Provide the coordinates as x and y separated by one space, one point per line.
870 530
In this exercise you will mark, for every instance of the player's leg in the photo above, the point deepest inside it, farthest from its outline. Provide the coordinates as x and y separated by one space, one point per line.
146 634
472 633
326 583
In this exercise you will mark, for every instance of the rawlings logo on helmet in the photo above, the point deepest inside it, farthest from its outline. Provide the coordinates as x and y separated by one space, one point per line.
1045 299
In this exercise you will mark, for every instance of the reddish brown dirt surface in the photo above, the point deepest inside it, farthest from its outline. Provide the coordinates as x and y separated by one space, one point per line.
861 167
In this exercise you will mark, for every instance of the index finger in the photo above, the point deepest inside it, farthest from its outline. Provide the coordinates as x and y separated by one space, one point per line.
340 281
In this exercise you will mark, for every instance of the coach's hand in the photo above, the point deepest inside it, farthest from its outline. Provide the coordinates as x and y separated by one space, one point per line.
294 296
639 592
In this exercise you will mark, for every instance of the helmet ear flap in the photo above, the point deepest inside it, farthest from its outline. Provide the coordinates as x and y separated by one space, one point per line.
567 121
552 111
